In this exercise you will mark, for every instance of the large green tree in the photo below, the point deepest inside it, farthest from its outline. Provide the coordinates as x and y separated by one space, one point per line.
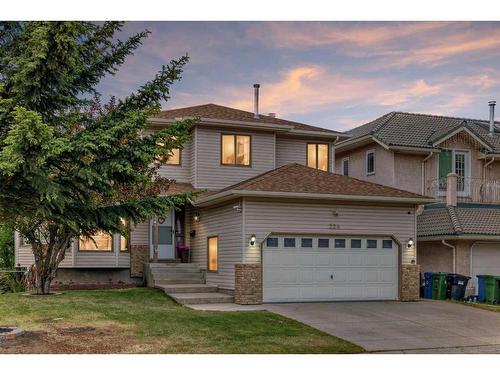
69 165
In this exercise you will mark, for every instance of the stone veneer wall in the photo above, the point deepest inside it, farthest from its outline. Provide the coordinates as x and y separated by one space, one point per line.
410 282
248 284
139 254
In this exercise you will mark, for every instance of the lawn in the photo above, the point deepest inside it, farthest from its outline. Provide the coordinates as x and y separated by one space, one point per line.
144 320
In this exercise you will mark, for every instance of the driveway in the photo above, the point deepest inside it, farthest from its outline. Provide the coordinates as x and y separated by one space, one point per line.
402 327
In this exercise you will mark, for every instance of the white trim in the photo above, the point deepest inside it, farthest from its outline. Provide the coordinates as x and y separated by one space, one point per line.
456 131
371 151
195 155
346 159
243 234
467 167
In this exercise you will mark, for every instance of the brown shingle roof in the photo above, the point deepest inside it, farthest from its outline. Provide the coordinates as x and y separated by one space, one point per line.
297 178
215 111
464 219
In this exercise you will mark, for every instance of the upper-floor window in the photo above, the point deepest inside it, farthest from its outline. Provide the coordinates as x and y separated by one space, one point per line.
175 157
345 167
236 149
453 161
318 156
102 241
370 162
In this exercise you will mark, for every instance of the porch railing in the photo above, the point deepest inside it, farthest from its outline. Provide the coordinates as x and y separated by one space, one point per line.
471 190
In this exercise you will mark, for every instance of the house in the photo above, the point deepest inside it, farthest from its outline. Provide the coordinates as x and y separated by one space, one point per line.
273 222
419 153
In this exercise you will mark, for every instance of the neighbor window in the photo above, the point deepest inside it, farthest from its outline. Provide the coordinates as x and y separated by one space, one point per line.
236 149
289 242
345 167
323 242
100 242
307 242
272 242
370 162
387 244
339 243
356 244
318 156
213 254
124 240
452 161
371 244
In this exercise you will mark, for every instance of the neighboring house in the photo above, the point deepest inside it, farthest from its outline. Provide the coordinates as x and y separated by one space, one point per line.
417 152
273 223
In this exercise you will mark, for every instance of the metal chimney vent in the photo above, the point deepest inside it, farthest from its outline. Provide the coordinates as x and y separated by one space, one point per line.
492 104
256 87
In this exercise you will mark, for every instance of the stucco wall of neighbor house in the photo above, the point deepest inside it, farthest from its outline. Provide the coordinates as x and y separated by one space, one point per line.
408 172
226 222
294 150
433 256
211 174
493 171
384 164
264 216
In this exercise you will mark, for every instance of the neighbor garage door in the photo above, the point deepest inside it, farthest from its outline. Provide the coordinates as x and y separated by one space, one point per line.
323 268
485 260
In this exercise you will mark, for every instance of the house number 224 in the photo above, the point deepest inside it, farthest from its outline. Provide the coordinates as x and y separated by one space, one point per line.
334 226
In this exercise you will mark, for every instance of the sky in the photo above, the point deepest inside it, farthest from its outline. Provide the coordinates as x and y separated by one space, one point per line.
336 75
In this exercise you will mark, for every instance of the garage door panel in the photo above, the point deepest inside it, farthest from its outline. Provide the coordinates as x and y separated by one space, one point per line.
485 260
329 274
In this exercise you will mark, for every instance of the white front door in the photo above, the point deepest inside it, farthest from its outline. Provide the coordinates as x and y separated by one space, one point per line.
165 237
329 268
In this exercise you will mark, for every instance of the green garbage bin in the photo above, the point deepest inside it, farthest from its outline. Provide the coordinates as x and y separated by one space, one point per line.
492 289
439 285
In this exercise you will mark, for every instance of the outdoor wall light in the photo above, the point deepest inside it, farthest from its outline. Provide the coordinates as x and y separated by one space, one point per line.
410 243
252 240
196 217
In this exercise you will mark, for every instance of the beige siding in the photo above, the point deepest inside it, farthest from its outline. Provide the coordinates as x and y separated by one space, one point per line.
24 255
180 173
211 174
384 164
225 222
263 217
294 150
139 234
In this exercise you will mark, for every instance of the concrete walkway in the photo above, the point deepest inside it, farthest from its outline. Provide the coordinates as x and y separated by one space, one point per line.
402 327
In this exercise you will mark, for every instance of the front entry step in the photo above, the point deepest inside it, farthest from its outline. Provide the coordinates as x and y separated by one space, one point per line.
201 298
187 288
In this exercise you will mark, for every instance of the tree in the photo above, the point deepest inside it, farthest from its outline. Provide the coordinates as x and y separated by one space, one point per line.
70 166
6 247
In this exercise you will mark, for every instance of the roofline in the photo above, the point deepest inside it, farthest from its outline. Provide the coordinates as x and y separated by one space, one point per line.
441 237
458 130
411 148
230 194
344 145
248 124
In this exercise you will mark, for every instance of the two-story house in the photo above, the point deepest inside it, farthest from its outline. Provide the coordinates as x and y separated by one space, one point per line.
417 152
272 222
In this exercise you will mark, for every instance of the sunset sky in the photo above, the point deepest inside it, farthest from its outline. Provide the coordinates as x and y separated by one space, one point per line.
331 74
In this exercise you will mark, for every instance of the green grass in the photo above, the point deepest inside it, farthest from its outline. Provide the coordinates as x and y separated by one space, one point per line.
145 320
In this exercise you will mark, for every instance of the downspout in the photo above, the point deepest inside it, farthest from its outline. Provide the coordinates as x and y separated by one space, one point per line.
423 170
454 254
486 165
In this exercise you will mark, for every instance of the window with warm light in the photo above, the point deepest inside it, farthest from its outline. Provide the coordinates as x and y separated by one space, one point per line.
236 149
318 156
213 254
175 157
100 242
124 240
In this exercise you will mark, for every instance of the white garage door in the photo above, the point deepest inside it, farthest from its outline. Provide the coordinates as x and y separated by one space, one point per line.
485 260
322 268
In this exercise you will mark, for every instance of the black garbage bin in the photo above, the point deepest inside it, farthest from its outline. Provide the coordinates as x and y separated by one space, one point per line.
457 285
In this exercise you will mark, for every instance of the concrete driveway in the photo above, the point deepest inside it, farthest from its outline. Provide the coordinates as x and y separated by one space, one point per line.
402 327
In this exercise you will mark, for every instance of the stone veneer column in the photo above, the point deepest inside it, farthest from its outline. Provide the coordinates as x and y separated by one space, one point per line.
410 282
248 284
139 254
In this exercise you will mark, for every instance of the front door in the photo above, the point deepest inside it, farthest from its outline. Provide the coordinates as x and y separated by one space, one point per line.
165 237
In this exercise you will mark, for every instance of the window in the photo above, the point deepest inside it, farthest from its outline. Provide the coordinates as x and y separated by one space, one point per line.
272 242
356 244
236 150
371 244
387 244
213 254
318 156
174 157
307 242
452 161
339 243
345 167
323 242
370 162
124 240
102 241
289 242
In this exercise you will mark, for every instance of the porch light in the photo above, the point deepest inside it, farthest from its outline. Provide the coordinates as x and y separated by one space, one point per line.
196 217
252 240
410 243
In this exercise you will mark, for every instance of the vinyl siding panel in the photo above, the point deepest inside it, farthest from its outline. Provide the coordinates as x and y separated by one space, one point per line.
180 173
210 174
24 255
226 223
263 217
139 234
294 150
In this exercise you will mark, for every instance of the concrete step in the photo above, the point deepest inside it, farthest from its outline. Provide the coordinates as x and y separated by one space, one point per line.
177 276
187 288
201 298
173 265
173 281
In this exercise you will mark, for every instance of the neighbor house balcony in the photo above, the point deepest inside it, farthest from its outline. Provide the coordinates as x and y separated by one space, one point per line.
469 190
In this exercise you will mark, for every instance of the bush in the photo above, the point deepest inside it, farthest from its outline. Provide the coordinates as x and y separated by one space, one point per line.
7 260
11 282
